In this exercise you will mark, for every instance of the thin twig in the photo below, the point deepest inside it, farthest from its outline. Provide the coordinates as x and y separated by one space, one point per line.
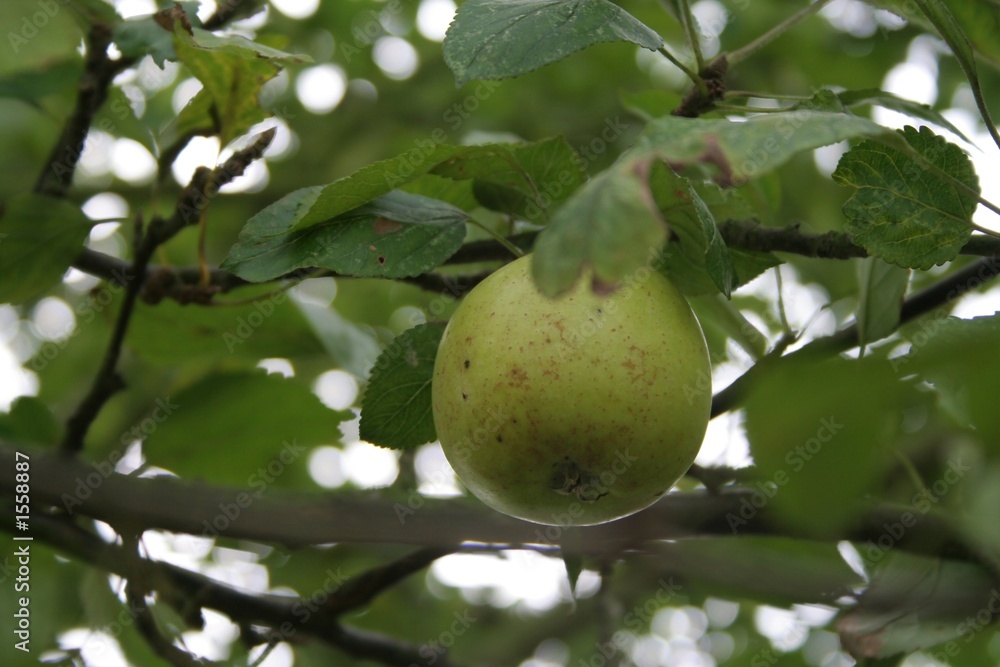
99 70
194 198
691 31
936 296
360 590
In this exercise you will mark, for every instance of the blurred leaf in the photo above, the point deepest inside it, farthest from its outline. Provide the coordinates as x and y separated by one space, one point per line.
353 347
89 12
901 211
264 324
498 39
959 357
609 225
396 408
914 603
818 441
396 235
881 287
525 179
29 420
650 104
744 150
269 420
39 239
32 86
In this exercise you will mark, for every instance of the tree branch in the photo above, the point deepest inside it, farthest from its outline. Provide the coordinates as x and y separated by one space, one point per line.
309 519
191 204
938 295
99 70
282 614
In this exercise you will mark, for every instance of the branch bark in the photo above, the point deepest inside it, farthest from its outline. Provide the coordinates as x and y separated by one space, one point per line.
298 520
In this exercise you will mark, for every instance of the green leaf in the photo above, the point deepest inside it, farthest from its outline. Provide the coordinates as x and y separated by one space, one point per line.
723 316
881 287
693 228
395 236
914 603
396 408
265 418
818 441
329 201
853 98
744 150
39 239
497 39
609 225
903 212
232 79
29 420
32 86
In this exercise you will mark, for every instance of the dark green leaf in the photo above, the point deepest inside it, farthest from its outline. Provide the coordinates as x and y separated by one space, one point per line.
609 225
902 211
497 39
881 287
744 150
394 236
396 408
818 441
39 239
269 420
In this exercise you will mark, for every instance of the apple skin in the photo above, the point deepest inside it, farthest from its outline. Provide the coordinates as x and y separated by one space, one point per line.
571 411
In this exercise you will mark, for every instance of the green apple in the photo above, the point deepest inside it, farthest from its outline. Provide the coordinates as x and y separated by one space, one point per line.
576 410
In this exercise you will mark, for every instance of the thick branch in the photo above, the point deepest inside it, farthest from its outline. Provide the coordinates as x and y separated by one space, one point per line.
309 519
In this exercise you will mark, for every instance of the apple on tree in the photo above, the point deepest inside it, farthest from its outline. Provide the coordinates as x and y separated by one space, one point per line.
576 410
